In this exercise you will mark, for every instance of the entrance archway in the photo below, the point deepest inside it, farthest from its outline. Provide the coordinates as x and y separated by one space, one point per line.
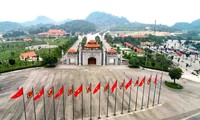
111 61
72 61
91 60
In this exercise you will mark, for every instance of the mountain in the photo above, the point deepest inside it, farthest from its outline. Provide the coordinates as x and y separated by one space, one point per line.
101 19
78 26
196 23
182 26
8 26
39 20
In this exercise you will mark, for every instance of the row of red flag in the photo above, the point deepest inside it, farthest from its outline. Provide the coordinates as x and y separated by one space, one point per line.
79 90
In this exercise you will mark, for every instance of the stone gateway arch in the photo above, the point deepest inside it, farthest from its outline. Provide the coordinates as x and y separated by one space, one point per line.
91 54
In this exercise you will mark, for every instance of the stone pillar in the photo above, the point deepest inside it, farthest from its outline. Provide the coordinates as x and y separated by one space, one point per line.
121 57
104 57
67 61
116 59
79 55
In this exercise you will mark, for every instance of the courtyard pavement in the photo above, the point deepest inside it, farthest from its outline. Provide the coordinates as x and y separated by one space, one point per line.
174 104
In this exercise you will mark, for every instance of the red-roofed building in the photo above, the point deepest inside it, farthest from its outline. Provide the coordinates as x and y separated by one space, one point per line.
121 35
92 44
139 36
72 51
27 39
129 45
111 51
147 43
28 56
54 33
138 50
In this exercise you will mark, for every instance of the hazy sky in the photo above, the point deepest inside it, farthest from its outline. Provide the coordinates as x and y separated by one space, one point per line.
146 11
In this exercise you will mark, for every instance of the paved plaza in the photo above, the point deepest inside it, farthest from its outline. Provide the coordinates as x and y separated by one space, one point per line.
174 104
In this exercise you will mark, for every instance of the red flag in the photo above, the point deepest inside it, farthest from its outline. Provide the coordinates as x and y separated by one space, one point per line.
29 94
39 94
142 81
128 84
97 88
70 91
50 92
149 81
114 86
106 87
60 92
78 91
18 93
136 82
155 80
88 88
122 85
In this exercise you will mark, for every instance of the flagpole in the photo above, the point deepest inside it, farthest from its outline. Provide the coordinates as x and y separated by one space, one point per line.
129 104
115 100
44 106
34 103
63 102
99 101
54 111
149 93
160 89
123 98
82 101
154 95
143 94
24 104
136 96
73 102
108 98
90 101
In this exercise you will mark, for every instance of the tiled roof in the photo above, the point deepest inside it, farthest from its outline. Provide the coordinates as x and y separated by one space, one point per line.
147 43
138 50
27 39
122 35
92 44
139 36
56 31
128 44
28 54
72 51
111 51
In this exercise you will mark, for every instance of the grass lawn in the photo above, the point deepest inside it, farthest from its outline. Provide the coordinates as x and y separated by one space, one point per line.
173 85
120 45
59 41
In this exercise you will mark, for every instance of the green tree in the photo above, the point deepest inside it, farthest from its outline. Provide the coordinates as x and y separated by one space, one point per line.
50 61
134 62
12 61
175 73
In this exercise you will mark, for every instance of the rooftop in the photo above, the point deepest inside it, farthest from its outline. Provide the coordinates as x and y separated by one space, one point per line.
112 51
28 54
72 51
139 36
92 44
128 44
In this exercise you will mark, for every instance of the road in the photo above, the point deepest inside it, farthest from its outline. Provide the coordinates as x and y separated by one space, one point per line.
173 102
75 45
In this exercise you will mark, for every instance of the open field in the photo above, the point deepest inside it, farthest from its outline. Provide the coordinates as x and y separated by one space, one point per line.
175 104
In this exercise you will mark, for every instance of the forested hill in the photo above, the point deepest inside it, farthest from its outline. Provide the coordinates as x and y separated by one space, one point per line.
101 19
78 26
193 26
8 26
